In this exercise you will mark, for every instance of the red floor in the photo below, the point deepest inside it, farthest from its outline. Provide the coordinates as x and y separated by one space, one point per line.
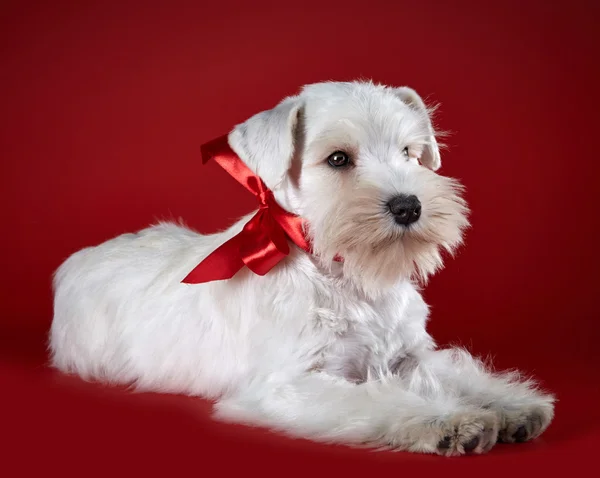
104 108
58 423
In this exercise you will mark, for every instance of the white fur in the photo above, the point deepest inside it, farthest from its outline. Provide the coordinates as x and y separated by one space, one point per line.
317 349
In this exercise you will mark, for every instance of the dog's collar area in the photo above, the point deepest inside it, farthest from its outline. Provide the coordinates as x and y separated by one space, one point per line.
263 242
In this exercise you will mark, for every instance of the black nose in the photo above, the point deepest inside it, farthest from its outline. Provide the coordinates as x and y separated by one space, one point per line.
406 209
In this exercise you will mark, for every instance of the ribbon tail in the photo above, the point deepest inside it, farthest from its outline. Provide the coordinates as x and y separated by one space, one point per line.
221 264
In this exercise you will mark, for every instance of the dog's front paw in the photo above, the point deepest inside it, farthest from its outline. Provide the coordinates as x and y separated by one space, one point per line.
465 433
462 433
519 424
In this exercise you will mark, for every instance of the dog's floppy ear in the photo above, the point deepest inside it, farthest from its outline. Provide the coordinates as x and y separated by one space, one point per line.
431 154
265 142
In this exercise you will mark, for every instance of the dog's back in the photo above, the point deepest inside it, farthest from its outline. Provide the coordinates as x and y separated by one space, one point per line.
115 318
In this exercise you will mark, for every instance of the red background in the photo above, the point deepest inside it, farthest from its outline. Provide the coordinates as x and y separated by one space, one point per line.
105 105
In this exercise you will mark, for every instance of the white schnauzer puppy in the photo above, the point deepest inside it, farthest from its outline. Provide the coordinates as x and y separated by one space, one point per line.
328 349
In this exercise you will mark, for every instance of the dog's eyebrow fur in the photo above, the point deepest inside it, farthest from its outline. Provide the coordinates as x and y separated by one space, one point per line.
348 122
339 137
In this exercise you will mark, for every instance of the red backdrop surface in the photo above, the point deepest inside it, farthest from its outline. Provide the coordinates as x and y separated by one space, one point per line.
105 105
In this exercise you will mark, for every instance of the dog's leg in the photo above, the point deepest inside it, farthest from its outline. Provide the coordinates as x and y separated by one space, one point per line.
524 411
374 413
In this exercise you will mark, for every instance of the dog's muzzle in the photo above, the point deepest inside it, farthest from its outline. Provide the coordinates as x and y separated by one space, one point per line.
405 209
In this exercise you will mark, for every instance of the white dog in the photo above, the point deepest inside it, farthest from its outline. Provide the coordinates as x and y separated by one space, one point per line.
319 348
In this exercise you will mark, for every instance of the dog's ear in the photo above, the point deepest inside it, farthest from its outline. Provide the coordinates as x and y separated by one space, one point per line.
265 142
431 153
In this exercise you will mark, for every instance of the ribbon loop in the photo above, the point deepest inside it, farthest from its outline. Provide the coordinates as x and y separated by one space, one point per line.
263 242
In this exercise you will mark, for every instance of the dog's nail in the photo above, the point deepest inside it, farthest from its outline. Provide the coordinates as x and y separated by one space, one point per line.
444 443
521 434
471 445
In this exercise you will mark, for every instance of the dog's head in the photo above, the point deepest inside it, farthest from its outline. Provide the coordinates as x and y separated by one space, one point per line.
358 162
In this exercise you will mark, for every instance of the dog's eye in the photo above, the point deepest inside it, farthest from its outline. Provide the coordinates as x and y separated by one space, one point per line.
338 159
405 152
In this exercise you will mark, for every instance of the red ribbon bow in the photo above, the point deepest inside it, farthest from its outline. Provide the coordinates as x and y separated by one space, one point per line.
263 241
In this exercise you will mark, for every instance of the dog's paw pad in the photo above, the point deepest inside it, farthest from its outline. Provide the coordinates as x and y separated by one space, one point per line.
525 424
470 446
468 433
520 435
445 443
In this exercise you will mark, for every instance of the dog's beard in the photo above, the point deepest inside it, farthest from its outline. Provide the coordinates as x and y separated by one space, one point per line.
376 251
